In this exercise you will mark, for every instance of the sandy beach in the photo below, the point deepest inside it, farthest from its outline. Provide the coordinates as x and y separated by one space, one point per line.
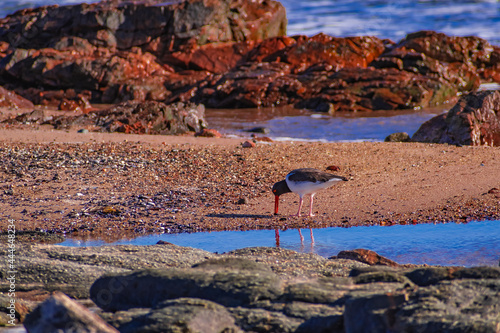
113 186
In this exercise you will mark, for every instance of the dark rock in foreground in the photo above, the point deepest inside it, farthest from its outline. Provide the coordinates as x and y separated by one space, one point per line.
239 292
61 314
474 120
167 288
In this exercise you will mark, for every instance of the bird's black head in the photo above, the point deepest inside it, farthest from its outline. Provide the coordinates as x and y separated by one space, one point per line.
280 188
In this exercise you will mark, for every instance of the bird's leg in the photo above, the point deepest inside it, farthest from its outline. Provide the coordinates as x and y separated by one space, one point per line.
301 237
311 205
300 206
312 236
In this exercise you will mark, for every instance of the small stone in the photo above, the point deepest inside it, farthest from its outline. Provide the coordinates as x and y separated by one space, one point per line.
398 137
366 256
110 210
263 139
83 130
248 144
162 242
243 201
262 130
209 133
333 168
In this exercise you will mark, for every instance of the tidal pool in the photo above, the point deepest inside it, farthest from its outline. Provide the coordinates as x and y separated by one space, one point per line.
468 244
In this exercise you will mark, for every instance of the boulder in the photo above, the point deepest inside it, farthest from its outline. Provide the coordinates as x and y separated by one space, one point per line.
329 74
148 288
12 100
189 315
151 25
474 120
61 314
118 51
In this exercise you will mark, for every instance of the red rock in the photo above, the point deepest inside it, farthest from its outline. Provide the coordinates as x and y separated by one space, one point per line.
248 144
12 100
85 47
262 139
269 50
367 256
228 54
331 51
67 105
494 190
474 120
333 168
209 133
214 58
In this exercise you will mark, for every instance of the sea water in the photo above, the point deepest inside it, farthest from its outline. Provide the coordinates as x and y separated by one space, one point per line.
468 244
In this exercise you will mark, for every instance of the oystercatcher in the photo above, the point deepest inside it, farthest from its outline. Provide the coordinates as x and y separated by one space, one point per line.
304 181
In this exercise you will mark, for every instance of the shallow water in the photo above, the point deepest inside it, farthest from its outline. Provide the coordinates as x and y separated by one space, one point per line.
287 124
470 244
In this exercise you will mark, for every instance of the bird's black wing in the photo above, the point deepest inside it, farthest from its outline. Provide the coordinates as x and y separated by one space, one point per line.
312 175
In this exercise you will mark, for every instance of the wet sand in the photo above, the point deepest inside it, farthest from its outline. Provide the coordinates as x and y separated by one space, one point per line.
113 186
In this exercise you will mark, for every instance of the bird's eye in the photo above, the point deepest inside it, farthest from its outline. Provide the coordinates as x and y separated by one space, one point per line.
274 191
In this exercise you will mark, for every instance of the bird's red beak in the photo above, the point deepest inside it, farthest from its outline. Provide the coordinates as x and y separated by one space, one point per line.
276 203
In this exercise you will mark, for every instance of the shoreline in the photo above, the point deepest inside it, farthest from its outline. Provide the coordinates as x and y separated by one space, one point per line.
113 186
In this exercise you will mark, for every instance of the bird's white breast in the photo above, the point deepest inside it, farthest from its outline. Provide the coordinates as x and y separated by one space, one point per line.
305 187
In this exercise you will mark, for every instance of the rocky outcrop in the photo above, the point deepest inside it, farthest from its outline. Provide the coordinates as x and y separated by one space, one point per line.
119 51
167 288
129 117
226 54
240 293
474 120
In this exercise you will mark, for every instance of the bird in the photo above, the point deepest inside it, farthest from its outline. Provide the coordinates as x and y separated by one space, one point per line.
304 181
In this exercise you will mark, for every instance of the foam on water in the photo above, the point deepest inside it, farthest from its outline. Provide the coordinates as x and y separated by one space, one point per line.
394 19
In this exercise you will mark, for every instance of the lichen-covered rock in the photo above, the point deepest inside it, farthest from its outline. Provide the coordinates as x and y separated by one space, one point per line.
474 120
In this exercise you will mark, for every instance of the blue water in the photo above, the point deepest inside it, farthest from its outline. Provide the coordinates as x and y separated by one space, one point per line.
394 19
470 244
374 126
